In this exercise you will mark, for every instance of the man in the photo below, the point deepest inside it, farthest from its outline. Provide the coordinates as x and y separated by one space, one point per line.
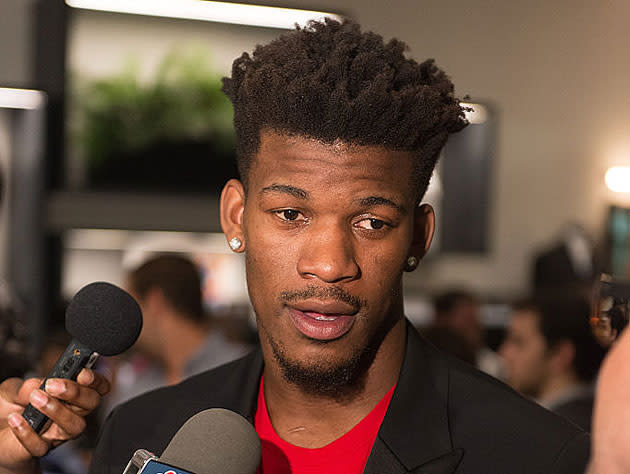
608 325
337 137
552 357
611 426
177 339
458 311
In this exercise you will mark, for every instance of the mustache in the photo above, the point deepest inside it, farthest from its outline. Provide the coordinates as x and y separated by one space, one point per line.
328 292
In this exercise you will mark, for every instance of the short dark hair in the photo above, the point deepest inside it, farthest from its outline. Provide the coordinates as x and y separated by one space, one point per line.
445 302
566 317
179 280
618 318
330 81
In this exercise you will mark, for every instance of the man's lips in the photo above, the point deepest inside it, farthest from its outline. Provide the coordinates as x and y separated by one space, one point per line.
334 308
323 321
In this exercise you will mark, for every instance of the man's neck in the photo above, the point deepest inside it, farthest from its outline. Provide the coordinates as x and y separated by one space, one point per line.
184 341
313 421
556 387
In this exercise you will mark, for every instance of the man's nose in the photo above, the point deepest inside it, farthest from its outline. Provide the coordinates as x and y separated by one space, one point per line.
328 254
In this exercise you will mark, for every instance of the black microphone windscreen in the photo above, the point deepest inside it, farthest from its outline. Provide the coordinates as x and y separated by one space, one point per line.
212 441
104 318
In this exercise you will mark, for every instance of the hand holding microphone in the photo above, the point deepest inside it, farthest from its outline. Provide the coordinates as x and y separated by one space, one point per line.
103 319
19 444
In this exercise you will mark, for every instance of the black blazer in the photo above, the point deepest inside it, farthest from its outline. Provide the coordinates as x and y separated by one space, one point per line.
445 417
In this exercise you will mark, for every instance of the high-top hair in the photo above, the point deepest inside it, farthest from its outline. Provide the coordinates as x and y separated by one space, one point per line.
329 81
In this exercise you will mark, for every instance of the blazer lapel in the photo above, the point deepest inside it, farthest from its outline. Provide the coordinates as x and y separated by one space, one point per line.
245 402
383 461
414 436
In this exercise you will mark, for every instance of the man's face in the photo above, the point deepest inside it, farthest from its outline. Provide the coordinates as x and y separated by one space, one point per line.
525 353
327 232
149 341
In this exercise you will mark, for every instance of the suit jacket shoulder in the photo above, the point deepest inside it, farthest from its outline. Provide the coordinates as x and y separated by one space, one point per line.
447 417
506 429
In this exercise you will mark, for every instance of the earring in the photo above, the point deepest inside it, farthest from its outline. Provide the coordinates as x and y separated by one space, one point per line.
412 263
235 243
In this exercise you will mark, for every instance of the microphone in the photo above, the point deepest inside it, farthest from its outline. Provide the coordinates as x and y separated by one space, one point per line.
102 319
212 441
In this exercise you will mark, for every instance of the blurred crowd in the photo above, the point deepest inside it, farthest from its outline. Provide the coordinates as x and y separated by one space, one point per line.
555 339
550 349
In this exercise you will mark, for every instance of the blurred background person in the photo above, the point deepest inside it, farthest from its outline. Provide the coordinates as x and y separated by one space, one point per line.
14 360
608 325
551 356
178 339
450 342
569 262
458 311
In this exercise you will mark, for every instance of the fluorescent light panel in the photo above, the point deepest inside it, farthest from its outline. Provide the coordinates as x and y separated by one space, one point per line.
21 98
222 12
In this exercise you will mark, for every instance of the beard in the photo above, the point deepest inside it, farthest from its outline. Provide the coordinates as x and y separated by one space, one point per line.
326 377
329 379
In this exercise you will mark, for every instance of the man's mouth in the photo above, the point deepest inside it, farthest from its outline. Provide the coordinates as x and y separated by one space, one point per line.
322 321
321 317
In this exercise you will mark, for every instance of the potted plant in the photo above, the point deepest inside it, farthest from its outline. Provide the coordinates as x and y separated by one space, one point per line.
173 133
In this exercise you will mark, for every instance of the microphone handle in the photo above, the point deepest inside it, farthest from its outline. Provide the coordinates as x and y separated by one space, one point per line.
145 462
76 357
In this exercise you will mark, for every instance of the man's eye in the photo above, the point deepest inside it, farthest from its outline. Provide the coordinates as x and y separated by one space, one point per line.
371 224
288 214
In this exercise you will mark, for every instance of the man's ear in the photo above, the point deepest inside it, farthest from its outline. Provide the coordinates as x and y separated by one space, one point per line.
154 301
562 356
423 228
232 207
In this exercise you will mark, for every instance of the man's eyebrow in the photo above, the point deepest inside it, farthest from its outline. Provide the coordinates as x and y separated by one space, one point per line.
380 201
286 189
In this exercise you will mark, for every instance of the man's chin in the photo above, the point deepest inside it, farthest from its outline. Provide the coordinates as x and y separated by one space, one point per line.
325 378
323 374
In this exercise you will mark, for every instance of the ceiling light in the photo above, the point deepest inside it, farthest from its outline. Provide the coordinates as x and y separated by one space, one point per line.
478 114
222 12
21 98
618 179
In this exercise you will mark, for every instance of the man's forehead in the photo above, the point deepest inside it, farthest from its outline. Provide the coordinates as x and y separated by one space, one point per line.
273 139
280 153
526 319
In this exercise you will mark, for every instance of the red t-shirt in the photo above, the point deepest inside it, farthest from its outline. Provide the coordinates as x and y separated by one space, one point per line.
346 455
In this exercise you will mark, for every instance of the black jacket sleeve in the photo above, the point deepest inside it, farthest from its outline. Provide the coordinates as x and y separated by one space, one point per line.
102 454
573 457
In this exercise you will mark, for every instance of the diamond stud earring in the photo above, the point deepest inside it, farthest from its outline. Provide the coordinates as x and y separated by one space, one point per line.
235 243
412 263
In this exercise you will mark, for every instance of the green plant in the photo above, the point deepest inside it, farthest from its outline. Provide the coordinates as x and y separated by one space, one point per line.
121 115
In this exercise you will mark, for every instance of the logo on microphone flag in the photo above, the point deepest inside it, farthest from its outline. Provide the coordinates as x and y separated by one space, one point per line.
157 467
